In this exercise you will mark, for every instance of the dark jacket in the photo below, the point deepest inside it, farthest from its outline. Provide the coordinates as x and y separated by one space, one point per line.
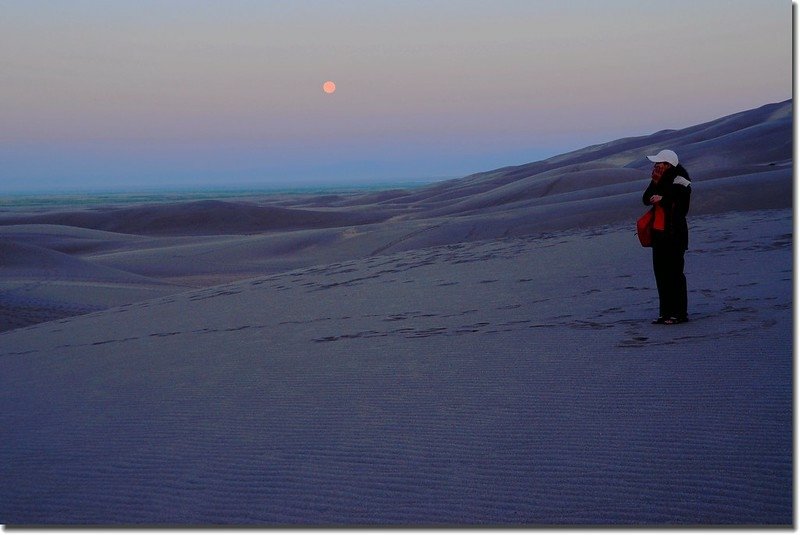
676 189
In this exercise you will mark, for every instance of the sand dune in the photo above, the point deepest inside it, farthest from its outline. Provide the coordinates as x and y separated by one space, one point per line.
197 217
474 352
66 239
39 285
501 382
30 261
739 162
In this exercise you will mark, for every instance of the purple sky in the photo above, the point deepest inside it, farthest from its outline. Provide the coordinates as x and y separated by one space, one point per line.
193 93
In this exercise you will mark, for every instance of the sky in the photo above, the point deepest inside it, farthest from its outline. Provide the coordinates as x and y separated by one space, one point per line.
98 94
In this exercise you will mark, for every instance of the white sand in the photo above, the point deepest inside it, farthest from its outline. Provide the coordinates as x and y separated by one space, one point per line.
481 356
511 381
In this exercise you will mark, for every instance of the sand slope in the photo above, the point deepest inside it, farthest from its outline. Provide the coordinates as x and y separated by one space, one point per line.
38 284
496 382
739 162
197 217
475 352
754 142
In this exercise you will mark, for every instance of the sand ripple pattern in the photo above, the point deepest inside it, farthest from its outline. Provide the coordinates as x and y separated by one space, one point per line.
490 384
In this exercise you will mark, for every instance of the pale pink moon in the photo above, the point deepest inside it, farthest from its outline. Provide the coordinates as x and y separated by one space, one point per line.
329 87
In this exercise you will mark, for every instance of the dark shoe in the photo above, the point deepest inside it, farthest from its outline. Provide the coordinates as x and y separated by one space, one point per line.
672 320
659 321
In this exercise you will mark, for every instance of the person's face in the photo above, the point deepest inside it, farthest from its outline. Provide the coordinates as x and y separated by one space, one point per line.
659 168
662 165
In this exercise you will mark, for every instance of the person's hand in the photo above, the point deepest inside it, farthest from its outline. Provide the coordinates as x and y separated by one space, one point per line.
655 198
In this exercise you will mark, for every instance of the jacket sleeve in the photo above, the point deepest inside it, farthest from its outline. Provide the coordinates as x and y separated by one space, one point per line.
649 192
681 192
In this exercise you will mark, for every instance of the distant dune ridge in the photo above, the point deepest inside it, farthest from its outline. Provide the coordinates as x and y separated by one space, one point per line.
474 352
739 162
201 217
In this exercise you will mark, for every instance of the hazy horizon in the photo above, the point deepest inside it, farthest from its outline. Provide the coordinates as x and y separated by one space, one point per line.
227 188
200 94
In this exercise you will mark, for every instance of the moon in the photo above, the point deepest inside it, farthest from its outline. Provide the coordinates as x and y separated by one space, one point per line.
329 87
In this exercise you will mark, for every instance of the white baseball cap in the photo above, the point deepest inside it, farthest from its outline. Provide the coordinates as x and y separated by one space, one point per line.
665 156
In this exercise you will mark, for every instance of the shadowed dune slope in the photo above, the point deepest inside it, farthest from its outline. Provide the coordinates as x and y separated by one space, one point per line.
38 285
197 218
22 261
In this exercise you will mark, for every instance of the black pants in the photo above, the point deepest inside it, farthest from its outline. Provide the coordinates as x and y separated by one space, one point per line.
670 280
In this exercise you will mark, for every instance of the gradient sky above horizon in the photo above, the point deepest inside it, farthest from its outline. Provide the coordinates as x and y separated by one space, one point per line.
195 93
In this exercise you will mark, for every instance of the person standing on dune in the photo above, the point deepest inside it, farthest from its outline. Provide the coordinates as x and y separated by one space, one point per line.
669 192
